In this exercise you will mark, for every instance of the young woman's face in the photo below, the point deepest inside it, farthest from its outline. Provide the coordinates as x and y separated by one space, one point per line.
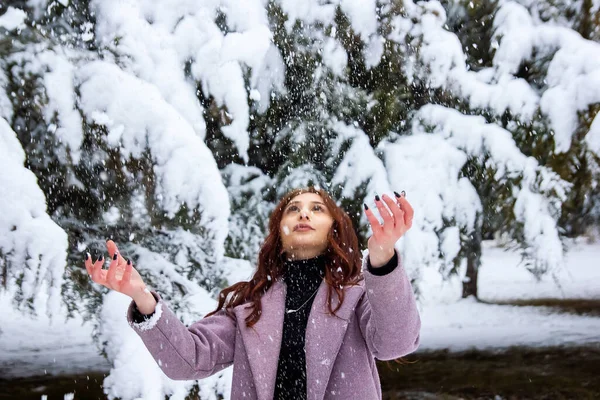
304 227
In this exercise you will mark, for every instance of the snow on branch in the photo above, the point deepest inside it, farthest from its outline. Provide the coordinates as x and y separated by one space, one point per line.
56 70
428 168
137 119
573 78
537 190
12 19
359 163
33 249
156 40
6 108
441 63
362 16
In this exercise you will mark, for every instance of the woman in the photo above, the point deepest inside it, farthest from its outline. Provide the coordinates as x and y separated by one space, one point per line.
309 324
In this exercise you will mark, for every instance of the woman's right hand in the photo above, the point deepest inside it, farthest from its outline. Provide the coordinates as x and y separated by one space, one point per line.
122 277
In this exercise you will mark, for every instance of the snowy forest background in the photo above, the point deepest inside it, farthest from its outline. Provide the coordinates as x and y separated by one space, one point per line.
174 127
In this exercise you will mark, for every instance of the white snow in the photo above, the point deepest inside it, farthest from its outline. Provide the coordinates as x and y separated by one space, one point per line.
308 12
593 136
35 346
34 247
455 324
6 108
334 56
362 16
360 163
427 168
129 358
58 81
13 18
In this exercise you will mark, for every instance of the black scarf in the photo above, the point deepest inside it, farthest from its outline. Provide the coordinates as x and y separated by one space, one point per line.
302 278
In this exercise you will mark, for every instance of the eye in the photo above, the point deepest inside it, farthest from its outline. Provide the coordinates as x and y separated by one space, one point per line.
291 208
318 208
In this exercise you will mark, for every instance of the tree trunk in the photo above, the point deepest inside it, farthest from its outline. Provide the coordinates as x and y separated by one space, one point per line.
4 269
586 28
473 262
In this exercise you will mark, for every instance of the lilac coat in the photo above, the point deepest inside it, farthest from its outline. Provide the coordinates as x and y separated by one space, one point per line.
378 319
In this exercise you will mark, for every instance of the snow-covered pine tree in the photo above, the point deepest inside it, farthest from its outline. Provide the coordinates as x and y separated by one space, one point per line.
474 25
115 159
494 87
394 65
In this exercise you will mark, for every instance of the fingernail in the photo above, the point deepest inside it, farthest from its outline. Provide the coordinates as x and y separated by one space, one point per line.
403 193
376 197
366 207
115 256
396 194
101 257
128 262
87 256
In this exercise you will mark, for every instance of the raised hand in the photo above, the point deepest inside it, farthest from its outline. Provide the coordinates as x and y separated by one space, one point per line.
397 219
120 276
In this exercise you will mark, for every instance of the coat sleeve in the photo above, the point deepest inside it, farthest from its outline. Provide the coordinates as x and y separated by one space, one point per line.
186 353
387 313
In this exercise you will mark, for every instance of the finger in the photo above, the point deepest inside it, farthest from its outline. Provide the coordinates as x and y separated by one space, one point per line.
99 262
396 211
111 276
127 274
373 221
409 213
388 219
88 264
112 249
97 275
98 267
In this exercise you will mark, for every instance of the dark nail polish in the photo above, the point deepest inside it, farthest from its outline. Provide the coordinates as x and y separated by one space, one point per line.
366 207
376 197
101 258
115 256
396 194
128 262
403 193
87 256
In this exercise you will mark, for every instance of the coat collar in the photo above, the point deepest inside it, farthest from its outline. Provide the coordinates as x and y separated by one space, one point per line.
324 335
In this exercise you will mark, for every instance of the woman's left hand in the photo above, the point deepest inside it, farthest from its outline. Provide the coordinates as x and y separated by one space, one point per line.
381 243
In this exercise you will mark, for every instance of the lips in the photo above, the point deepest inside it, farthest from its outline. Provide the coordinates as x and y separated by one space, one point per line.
303 227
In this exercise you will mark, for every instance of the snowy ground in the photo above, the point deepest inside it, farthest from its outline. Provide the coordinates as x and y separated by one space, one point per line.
449 322
35 347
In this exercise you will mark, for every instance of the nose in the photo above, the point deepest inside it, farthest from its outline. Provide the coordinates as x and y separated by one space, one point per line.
304 214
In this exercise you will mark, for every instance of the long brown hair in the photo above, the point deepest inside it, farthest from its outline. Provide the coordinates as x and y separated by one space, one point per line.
343 260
